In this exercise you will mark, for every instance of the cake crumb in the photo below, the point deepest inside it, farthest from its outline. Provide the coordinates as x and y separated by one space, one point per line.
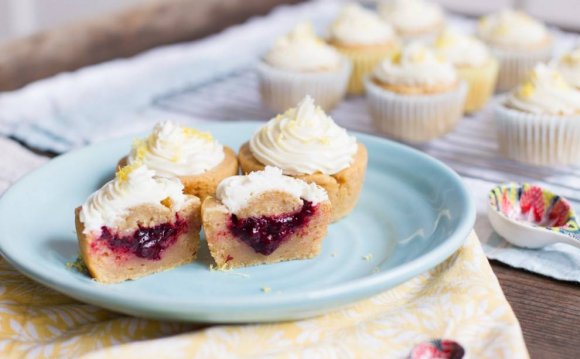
78 265
266 289
333 254
376 270
227 269
368 257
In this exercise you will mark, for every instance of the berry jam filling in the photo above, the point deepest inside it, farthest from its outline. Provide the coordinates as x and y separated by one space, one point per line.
145 242
265 233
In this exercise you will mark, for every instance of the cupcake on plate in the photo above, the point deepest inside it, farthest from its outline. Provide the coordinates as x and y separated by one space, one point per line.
265 217
365 39
474 64
307 144
195 157
414 20
415 96
518 41
569 67
539 121
301 63
137 224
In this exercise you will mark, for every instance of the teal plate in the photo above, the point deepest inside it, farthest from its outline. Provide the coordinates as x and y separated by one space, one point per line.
413 213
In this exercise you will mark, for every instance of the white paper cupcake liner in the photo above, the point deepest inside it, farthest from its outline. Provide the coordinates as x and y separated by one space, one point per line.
537 139
415 118
282 89
514 66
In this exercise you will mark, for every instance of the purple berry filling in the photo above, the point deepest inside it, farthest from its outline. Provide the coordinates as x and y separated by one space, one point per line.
265 234
145 242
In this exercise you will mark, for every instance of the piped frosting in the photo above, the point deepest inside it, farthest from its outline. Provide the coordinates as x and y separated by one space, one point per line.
512 29
356 25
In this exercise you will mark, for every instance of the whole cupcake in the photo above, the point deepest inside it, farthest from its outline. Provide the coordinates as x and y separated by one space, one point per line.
569 67
539 121
307 144
414 20
300 63
518 41
474 64
365 39
415 96
195 157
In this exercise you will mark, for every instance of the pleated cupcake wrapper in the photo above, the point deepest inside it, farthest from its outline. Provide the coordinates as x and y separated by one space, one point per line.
514 66
282 89
415 118
481 84
537 139
363 63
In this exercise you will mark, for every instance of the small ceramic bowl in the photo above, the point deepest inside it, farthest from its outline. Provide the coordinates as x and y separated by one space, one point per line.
530 216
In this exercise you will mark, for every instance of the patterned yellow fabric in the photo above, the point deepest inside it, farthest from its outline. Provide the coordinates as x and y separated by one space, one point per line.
460 300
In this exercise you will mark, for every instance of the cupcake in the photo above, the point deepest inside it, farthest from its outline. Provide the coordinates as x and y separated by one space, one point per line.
474 65
365 39
518 41
415 96
137 224
306 144
300 63
195 157
539 121
414 20
569 67
265 217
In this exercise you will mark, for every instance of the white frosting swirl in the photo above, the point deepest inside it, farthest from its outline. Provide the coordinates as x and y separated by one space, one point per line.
545 92
410 16
510 28
172 150
235 192
358 26
133 186
569 66
461 50
416 65
304 140
302 50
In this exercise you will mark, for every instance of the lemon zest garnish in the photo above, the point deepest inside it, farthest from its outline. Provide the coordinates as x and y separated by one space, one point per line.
140 149
123 173
324 140
192 132
266 289
396 59
526 90
167 202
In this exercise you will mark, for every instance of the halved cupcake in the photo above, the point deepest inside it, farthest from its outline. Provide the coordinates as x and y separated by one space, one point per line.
137 224
301 63
265 217
360 35
518 41
307 144
195 157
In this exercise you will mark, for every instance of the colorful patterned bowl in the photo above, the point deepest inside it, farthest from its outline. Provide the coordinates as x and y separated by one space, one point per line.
529 216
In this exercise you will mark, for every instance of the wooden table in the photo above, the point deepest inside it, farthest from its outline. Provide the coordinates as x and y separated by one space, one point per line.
548 310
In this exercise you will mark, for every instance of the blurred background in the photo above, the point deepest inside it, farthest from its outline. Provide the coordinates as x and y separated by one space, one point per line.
24 17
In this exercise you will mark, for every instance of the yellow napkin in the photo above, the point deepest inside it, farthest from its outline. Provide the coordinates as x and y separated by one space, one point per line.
459 300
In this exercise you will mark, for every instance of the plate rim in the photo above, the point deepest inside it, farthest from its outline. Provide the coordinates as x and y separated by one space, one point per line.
343 292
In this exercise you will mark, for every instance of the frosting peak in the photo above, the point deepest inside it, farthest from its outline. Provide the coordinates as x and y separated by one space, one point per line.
545 92
302 50
416 65
409 16
510 28
569 66
133 185
173 150
235 192
358 26
461 50
304 140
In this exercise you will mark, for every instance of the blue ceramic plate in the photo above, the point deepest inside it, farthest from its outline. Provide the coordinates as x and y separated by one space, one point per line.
413 213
